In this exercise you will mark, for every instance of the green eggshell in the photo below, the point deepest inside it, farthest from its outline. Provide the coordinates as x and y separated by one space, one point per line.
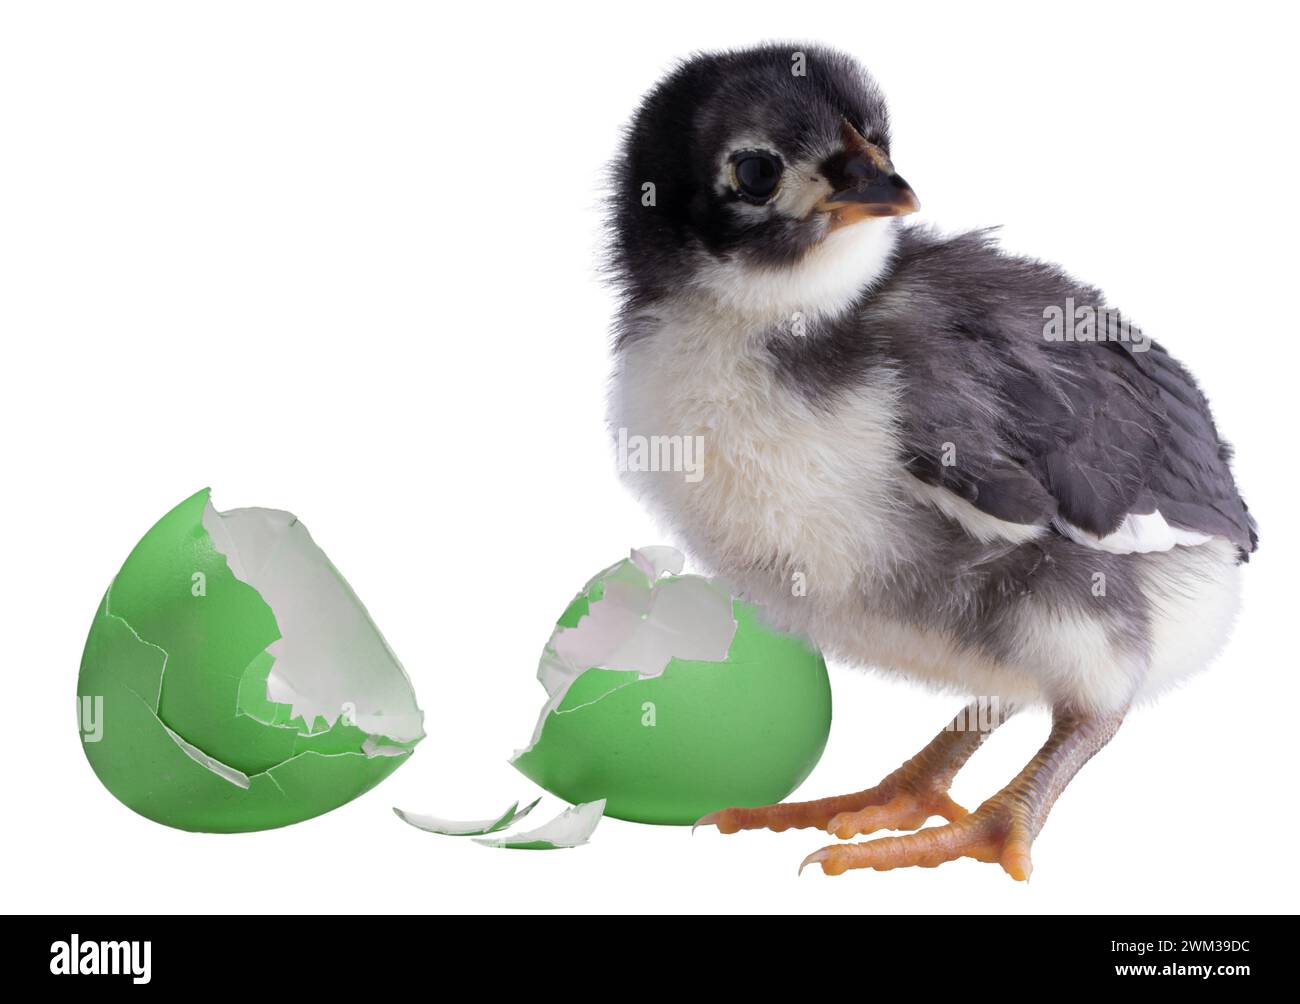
157 653
700 737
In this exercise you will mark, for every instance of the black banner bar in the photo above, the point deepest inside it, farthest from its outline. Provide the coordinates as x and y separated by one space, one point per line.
313 952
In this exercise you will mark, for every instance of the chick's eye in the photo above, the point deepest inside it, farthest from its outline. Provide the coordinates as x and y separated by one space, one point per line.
757 175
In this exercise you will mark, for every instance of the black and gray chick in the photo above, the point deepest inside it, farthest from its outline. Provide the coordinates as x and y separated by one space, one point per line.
915 449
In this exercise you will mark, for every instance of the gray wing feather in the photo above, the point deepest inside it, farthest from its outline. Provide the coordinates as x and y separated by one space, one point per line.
1036 430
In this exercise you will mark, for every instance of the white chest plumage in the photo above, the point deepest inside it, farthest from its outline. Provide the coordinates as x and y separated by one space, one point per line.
784 488
804 509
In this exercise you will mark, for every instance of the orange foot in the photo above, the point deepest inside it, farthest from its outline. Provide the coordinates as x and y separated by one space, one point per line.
998 831
902 801
891 805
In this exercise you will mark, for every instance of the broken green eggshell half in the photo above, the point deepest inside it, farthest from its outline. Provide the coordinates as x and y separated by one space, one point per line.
232 680
670 698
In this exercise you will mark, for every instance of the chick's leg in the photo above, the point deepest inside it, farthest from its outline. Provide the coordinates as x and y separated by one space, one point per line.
902 801
1003 828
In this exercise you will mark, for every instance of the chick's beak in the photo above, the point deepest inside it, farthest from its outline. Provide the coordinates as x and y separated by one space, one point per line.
864 184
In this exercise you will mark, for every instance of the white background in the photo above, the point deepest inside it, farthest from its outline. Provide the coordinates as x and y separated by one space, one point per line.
342 259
